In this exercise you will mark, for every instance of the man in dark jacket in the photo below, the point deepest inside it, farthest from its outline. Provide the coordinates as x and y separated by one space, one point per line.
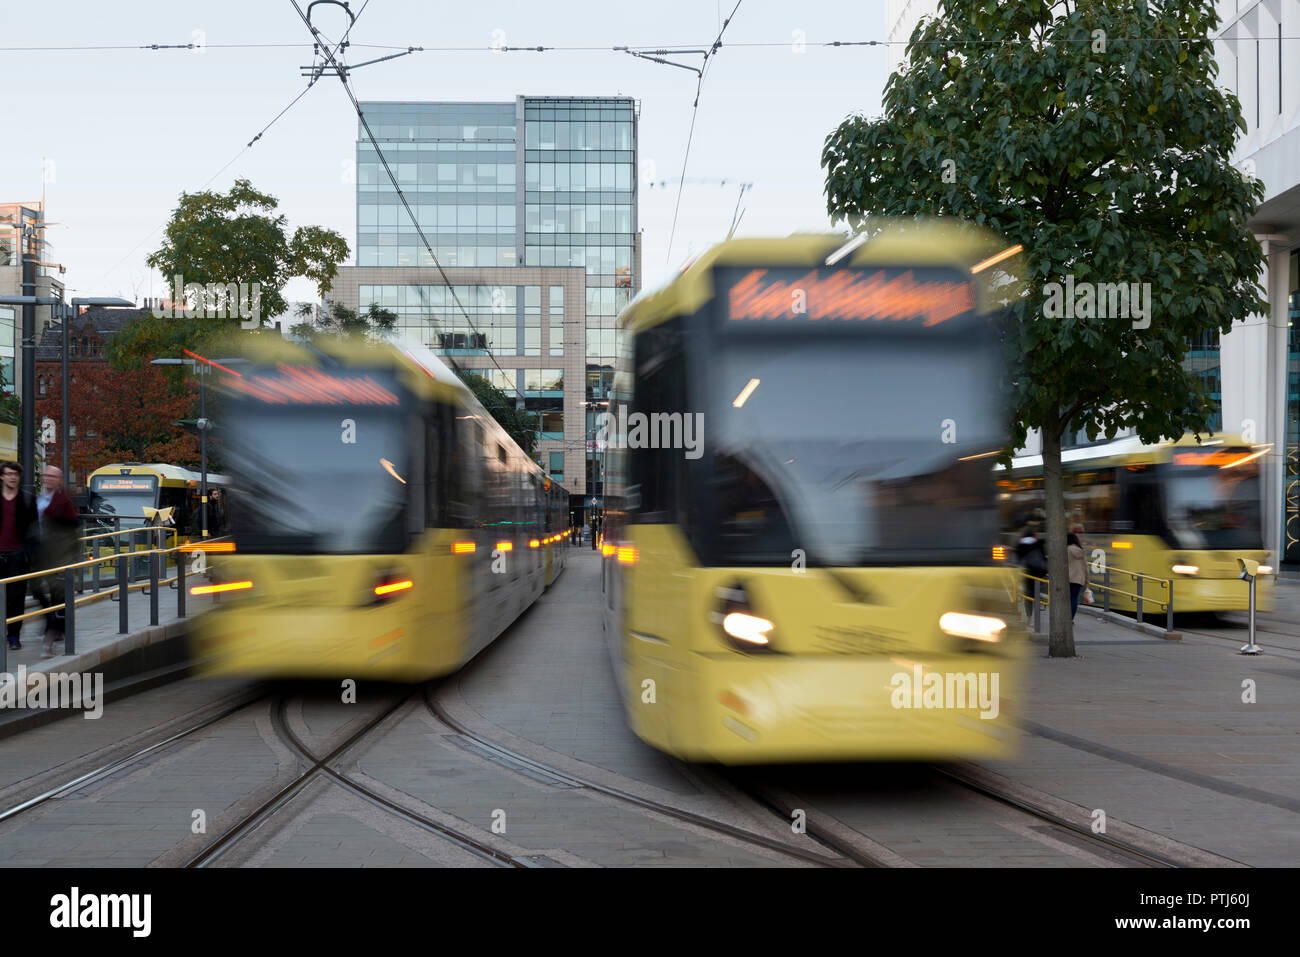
17 529
59 526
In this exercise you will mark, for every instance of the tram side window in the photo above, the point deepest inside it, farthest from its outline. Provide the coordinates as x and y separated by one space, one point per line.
1091 500
1143 512
657 473
468 501
441 464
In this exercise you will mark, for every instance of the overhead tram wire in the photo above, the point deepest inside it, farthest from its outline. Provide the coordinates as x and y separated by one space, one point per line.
233 159
695 110
670 49
341 72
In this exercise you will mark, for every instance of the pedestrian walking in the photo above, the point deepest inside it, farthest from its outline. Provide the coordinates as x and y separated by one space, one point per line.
1032 556
59 523
1078 561
17 527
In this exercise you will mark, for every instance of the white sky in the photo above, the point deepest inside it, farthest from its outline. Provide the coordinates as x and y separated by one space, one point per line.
126 131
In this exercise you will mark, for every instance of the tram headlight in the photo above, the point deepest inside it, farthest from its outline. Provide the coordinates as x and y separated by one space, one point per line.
744 629
1183 569
747 628
975 627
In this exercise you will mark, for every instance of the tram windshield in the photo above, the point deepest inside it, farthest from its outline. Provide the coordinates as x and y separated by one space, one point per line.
126 497
1216 506
857 444
313 477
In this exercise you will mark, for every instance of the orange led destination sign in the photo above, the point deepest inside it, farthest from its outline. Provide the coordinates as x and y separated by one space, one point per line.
848 295
124 484
309 385
1219 457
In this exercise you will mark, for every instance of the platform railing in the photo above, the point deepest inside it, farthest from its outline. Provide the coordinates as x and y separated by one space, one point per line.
154 556
1041 590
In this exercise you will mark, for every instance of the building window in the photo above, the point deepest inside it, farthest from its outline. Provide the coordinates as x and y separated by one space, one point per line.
41 383
557 320
557 466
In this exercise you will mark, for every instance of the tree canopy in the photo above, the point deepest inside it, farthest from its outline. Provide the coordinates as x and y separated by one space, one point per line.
122 417
521 425
236 246
1094 135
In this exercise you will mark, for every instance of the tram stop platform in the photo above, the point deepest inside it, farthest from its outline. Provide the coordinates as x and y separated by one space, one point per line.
144 654
1187 739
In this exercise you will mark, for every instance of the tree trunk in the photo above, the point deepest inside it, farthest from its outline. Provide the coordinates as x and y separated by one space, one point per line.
1060 626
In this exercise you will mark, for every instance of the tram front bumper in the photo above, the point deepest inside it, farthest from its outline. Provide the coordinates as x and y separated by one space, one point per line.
839 708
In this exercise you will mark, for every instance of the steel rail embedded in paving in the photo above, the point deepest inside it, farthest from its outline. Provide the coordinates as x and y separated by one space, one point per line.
460 839
104 770
517 762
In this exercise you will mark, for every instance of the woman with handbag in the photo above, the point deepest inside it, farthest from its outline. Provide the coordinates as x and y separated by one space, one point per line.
1078 562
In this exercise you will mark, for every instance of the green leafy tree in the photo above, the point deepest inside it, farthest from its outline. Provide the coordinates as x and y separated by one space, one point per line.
306 329
381 320
216 239
521 425
340 320
11 407
1093 134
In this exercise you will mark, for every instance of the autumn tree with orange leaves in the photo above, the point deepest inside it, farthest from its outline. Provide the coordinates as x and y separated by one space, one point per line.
122 417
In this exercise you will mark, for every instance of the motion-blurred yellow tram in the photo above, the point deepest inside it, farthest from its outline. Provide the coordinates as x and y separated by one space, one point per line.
800 507
384 525
1183 511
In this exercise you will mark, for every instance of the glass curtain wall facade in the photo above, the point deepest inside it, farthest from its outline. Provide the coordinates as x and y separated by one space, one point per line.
580 209
457 165
539 182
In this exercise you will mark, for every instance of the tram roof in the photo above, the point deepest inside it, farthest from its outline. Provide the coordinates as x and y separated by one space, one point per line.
422 370
1124 449
162 470
920 243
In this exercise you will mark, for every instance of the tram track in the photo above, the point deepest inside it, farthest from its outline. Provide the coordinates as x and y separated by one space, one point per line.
242 702
522 763
1125 850
319 767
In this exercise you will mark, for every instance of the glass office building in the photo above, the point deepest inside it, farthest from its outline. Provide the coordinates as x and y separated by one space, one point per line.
531 209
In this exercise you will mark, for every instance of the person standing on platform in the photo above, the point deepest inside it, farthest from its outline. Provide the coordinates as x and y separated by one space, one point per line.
59 524
17 520
1078 561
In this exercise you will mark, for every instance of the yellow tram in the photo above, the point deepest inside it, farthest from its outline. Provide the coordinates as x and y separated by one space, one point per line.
127 494
384 525
801 518
1180 511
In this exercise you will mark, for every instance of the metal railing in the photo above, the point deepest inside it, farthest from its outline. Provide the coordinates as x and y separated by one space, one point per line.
1041 593
1139 599
72 571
